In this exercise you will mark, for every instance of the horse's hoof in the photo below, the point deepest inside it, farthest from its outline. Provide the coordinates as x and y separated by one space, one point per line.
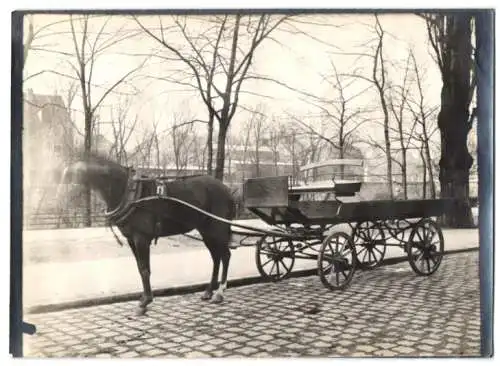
145 301
218 298
141 311
207 295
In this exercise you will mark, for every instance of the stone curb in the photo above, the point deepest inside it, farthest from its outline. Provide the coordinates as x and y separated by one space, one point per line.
189 289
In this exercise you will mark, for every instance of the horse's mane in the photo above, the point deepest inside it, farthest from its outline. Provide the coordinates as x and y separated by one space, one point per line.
100 158
96 157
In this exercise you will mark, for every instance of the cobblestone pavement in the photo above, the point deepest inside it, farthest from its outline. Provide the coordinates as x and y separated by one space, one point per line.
388 311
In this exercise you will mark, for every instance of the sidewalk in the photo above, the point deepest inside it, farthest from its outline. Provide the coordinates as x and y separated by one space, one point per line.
57 282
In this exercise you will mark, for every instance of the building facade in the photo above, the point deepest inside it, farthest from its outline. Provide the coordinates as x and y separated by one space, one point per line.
47 142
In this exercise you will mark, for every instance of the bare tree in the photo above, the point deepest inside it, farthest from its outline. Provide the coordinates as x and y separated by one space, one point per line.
246 141
218 59
199 150
29 38
256 127
90 39
450 38
378 78
70 127
183 140
314 133
274 142
146 148
398 105
301 147
345 118
342 119
424 168
33 37
421 113
123 126
87 49
231 144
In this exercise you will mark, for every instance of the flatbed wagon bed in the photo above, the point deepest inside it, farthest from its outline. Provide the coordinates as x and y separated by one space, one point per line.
276 203
408 224
334 212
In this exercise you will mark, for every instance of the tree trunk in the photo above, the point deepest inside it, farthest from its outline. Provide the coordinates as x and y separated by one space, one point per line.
380 84
229 165
210 146
221 151
87 151
429 166
30 38
387 148
424 172
294 160
341 144
453 118
157 143
403 173
257 157
403 159
225 118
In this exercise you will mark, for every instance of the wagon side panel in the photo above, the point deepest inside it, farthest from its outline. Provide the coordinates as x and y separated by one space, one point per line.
393 210
266 192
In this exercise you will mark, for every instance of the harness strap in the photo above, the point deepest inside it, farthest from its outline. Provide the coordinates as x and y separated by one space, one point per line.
116 236
161 190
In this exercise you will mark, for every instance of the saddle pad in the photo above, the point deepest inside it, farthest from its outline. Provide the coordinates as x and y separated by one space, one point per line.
136 188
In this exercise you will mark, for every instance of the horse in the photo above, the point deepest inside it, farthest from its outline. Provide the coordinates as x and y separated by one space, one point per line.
147 221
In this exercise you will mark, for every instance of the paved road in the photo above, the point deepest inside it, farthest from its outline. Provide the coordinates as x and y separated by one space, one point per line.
94 266
385 312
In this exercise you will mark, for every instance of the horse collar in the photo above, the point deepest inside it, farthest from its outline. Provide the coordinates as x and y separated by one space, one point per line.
121 211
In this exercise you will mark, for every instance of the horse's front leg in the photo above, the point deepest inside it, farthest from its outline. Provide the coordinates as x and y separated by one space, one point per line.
142 256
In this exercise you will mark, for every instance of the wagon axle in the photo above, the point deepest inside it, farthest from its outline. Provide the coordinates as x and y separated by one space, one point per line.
276 255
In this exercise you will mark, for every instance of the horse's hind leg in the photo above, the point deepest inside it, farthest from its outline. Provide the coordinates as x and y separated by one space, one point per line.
207 295
226 256
142 255
222 233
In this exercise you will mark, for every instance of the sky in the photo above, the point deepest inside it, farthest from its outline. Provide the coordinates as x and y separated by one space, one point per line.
300 61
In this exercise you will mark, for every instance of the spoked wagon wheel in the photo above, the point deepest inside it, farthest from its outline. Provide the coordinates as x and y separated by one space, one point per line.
337 261
369 239
426 247
274 257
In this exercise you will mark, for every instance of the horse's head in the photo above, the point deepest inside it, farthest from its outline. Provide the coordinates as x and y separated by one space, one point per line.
106 177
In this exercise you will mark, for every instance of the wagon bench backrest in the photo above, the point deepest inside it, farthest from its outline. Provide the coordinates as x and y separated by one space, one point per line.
310 171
